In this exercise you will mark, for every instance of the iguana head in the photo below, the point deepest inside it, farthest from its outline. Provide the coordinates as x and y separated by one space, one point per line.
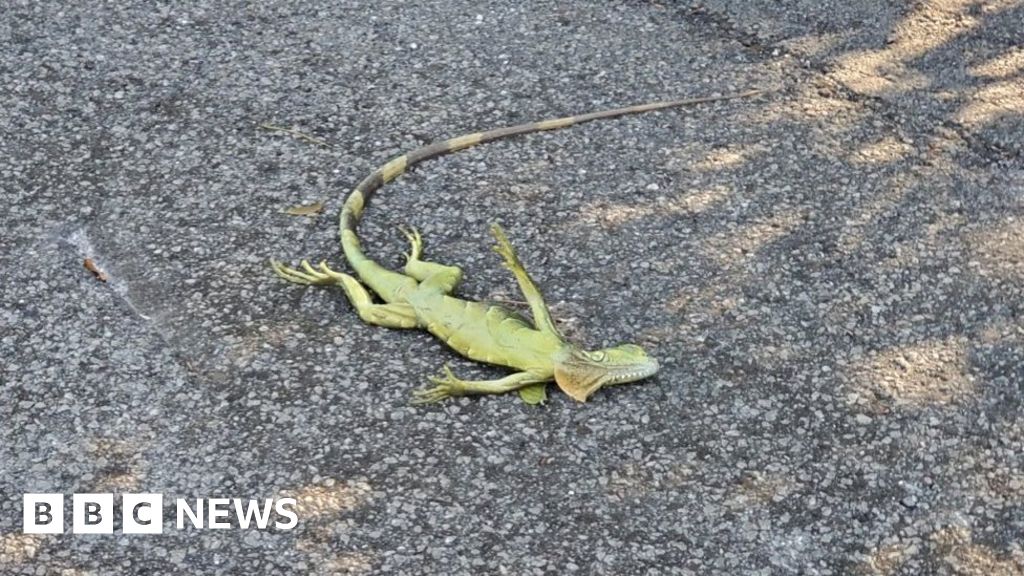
580 373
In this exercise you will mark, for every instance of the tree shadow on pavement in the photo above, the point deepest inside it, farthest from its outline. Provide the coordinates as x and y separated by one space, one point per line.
867 257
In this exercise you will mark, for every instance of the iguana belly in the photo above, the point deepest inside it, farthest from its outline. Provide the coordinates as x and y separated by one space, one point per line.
486 333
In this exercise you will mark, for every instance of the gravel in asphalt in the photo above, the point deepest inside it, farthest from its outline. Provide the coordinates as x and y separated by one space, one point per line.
830 275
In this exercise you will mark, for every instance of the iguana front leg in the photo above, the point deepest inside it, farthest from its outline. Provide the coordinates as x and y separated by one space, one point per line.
395 315
438 276
541 315
449 385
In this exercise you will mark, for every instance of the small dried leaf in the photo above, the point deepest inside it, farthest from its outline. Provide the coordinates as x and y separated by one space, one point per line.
310 210
91 266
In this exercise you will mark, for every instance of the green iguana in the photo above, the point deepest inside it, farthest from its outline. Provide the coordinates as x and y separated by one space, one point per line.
421 296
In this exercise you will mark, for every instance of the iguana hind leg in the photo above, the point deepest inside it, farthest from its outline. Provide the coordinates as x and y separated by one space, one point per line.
395 315
438 276
449 385
541 315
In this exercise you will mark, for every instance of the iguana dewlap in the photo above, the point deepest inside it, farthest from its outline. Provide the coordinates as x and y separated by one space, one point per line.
421 295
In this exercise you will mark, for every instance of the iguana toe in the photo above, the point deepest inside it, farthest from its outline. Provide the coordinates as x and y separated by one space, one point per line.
309 269
326 270
308 275
447 385
431 395
293 275
416 240
504 248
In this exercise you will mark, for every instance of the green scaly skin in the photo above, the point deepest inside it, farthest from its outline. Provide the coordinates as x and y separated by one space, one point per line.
421 296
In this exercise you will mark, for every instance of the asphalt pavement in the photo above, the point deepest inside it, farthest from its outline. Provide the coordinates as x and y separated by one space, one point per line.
831 275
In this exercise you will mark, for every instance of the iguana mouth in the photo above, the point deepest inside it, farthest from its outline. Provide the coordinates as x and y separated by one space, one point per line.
633 375
587 373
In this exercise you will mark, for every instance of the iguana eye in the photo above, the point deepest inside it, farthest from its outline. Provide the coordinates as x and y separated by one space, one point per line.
598 356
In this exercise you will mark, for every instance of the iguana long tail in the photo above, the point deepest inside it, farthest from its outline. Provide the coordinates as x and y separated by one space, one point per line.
358 198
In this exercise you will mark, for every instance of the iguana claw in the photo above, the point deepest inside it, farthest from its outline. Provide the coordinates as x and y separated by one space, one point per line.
308 275
413 235
447 386
504 247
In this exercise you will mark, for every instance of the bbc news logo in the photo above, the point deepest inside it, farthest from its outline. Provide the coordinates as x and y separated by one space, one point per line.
144 513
